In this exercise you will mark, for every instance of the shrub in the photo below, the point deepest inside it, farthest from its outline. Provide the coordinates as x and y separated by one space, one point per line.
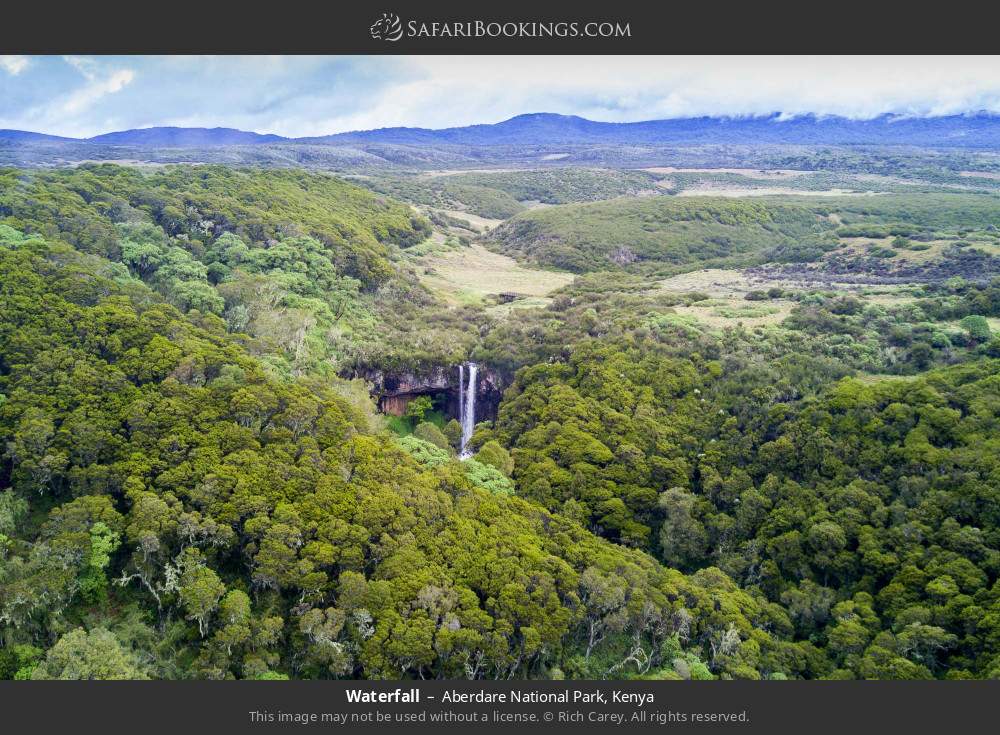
977 327
488 478
453 430
428 432
494 455
417 408
424 452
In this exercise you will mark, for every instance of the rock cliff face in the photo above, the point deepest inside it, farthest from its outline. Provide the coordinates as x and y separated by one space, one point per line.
394 390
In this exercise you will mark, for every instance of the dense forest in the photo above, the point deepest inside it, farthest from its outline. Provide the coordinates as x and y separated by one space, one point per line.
173 511
301 262
796 481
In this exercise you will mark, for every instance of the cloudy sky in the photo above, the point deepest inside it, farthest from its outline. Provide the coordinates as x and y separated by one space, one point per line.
300 95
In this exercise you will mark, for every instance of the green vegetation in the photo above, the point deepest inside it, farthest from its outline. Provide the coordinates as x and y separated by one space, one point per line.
784 471
244 526
196 205
502 194
663 233
305 264
866 514
564 185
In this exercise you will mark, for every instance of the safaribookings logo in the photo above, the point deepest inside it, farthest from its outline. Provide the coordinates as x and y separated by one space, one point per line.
390 28
387 28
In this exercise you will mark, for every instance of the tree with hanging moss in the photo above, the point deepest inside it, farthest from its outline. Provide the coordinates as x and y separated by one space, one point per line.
93 654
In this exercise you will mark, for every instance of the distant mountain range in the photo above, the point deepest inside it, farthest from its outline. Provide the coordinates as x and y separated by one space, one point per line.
544 129
156 137
978 131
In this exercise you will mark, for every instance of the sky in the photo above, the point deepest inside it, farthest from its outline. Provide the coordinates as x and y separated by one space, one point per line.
302 96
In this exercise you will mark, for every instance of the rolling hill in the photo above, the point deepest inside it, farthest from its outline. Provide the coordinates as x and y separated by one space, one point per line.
167 137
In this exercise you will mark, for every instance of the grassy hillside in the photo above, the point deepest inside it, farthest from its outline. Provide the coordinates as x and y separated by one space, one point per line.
564 185
502 194
661 231
664 233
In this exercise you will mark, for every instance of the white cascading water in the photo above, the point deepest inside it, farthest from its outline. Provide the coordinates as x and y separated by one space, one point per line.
461 394
467 406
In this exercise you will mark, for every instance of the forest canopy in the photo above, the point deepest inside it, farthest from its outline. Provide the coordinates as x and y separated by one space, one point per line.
195 481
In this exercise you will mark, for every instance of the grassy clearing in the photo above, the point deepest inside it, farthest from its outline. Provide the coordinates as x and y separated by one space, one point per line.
873 378
727 306
749 172
719 314
532 302
956 324
470 274
716 282
737 192
889 299
735 283
479 224
437 242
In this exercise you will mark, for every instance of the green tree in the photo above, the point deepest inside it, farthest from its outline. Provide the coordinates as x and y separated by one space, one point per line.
683 537
428 432
453 430
496 456
93 654
200 589
103 543
977 327
417 409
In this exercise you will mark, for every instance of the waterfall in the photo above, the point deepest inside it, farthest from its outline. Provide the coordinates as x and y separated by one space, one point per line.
461 394
467 405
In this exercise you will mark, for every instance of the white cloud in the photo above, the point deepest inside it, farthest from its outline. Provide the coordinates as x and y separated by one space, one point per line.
14 65
86 96
100 83
297 96
459 91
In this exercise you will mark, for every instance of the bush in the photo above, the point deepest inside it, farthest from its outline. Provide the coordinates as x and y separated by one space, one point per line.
921 355
992 348
494 455
453 430
424 452
977 327
428 432
488 478
417 408
877 251
940 340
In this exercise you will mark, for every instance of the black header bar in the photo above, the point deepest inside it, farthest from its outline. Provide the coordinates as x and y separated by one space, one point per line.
510 27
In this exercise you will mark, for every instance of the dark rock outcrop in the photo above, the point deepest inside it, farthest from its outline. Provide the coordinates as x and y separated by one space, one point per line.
393 391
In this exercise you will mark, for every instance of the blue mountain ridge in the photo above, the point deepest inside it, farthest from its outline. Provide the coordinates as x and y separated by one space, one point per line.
959 131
